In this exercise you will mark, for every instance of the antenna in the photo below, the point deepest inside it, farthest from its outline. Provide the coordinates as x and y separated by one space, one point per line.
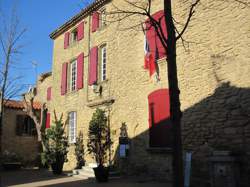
34 65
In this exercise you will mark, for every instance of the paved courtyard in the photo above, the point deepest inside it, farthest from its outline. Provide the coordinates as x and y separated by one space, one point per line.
32 178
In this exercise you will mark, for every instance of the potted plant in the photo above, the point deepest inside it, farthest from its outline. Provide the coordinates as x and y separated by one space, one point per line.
99 143
55 146
10 160
79 151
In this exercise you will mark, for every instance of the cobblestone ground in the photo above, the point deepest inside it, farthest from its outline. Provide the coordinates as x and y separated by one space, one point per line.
33 178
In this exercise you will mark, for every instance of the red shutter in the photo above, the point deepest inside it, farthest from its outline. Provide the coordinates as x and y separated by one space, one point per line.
159 16
152 37
47 121
93 65
159 104
64 78
160 134
48 93
95 21
66 40
80 70
80 31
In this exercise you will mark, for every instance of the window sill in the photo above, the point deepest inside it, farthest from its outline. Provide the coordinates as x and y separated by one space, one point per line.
159 150
71 92
102 82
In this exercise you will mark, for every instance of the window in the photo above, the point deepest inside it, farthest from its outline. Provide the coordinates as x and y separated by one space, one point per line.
72 127
103 18
160 128
25 126
73 35
103 62
155 46
73 75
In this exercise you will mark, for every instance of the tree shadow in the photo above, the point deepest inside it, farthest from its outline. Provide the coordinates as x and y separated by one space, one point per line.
24 176
219 122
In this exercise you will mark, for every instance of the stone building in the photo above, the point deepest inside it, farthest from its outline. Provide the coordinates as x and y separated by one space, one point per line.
19 132
97 63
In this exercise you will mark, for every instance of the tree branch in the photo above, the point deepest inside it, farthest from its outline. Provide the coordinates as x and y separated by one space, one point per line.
191 13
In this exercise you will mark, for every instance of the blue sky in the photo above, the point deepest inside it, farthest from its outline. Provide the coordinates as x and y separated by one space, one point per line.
40 17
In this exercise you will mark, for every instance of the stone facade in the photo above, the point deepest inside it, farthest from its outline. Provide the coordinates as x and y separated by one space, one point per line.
213 72
214 83
25 146
42 84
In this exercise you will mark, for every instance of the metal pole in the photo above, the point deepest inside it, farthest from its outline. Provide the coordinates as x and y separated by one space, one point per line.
1 124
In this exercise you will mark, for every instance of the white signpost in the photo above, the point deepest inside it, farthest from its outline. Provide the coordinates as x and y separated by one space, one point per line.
187 172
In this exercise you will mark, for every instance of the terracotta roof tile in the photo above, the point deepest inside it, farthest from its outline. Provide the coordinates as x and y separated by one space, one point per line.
20 104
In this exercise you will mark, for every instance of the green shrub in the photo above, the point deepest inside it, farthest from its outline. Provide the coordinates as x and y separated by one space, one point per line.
99 141
79 151
55 143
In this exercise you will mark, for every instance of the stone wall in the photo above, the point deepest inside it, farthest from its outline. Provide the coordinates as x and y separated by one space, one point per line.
24 146
214 83
213 70
43 83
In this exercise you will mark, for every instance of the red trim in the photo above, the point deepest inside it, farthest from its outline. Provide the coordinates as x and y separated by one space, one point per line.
95 21
80 71
64 78
158 103
80 31
47 121
160 133
93 65
155 44
66 40
48 93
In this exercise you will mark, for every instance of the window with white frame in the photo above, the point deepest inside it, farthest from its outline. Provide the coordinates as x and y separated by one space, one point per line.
102 18
73 75
103 63
72 127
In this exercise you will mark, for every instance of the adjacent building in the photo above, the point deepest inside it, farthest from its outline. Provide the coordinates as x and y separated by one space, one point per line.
19 133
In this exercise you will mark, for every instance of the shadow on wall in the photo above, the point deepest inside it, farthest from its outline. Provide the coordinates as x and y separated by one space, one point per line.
218 122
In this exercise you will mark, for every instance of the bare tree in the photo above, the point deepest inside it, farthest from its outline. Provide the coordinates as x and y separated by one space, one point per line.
142 9
38 117
10 47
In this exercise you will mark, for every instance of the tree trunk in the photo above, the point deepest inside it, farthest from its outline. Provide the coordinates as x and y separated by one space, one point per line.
175 112
5 77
